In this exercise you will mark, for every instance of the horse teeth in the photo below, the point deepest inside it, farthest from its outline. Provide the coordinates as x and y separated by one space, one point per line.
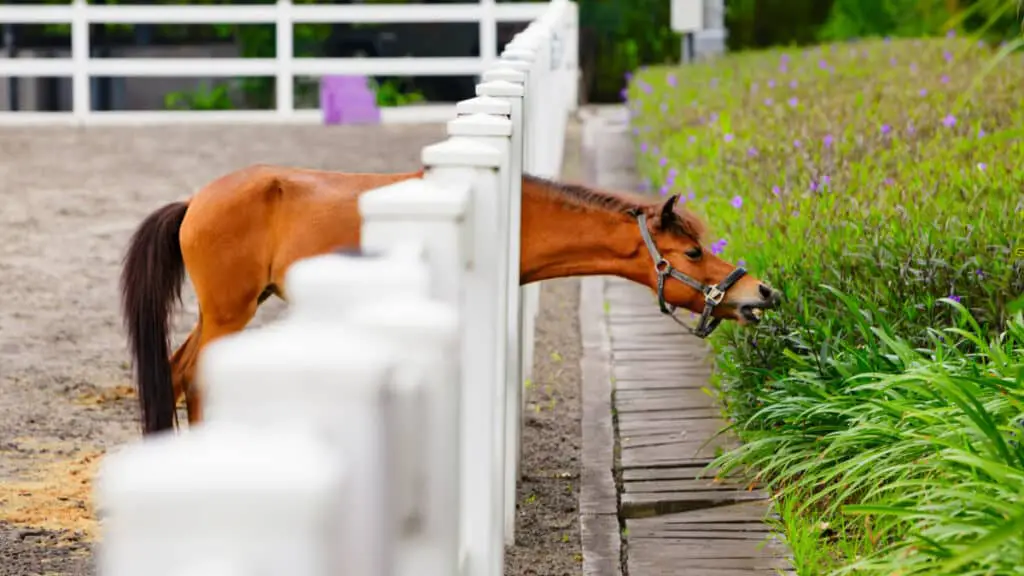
758 313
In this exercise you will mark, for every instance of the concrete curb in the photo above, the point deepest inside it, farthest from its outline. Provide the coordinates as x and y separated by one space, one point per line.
599 512
599 515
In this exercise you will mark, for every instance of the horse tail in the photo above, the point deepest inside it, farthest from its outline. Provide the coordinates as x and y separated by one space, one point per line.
151 279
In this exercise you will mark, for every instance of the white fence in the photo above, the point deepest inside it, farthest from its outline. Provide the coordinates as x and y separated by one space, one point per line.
284 67
375 430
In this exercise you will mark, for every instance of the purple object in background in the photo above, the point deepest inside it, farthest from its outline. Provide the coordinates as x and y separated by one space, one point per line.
348 100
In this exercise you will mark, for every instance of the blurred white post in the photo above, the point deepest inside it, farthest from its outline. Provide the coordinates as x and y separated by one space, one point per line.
81 97
421 210
316 372
479 160
509 91
424 332
687 18
226 499
284 85
709 41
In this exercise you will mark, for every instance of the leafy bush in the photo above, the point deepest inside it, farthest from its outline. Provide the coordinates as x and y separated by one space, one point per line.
875 188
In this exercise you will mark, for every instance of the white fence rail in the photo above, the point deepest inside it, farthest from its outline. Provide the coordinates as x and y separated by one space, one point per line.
284 67
375 430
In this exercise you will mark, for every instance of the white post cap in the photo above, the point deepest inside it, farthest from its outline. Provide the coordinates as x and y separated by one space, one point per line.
461 152
480 125
484 104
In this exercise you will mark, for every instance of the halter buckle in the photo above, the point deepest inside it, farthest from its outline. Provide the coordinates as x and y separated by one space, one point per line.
714 295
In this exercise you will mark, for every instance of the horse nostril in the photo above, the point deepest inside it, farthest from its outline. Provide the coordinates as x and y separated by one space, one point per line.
766 292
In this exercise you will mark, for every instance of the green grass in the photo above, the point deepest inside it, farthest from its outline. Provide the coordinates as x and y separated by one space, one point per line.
883 405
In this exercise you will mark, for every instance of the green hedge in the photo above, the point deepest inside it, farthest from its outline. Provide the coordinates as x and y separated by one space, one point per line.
874 189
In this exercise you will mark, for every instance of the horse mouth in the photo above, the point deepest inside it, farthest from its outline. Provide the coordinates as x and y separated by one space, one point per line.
751 314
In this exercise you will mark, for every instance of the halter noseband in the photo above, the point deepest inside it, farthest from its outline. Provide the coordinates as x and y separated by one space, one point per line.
712 294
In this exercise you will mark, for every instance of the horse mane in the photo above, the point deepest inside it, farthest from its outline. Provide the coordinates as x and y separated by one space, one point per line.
686 223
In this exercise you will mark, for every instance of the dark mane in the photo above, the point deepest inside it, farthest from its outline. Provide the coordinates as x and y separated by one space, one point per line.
686 224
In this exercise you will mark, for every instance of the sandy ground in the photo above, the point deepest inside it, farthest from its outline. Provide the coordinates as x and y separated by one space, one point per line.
69 199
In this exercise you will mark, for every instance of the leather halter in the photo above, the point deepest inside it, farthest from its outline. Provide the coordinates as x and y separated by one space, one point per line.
713 294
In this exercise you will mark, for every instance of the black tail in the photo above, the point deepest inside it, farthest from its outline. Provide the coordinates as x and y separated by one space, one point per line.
151 281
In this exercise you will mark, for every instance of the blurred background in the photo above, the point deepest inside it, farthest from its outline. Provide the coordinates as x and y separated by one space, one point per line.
618 36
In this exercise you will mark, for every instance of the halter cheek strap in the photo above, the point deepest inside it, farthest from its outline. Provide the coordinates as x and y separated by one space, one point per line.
713 294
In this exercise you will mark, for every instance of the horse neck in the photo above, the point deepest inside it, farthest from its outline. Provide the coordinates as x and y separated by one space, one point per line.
562 238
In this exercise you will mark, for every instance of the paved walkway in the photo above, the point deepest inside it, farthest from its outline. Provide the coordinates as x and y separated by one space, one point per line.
648 506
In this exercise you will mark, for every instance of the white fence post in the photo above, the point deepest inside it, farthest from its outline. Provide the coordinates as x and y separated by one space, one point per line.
423 211
81 93
225 499
284 85
512 93
461 160
322 374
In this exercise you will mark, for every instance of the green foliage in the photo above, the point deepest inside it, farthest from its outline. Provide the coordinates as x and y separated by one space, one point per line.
203 98
389 93
866 182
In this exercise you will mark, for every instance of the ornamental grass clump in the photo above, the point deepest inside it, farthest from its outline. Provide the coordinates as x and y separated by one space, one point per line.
882 191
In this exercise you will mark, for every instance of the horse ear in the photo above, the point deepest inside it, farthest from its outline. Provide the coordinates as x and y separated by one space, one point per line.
668 213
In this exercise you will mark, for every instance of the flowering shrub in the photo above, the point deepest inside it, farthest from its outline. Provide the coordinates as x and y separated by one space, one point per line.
883 196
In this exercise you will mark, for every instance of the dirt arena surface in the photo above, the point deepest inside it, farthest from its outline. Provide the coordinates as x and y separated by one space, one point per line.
69 199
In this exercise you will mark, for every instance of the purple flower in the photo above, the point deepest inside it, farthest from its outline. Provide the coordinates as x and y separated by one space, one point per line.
625 94
793 102
923 92
768 101
823 64
664 107
827 140
691 195
737 202
728 137
954 298
742 263
797 144
949 121
792 84
981 132
692 139
982 166
751 151
771 83
888 182
672 173
979 273
664 190
775 190
645 87
643 147
718 246
662 161
947 55
672 80
913 67
951 34
892 61
629 76
713 118
944 79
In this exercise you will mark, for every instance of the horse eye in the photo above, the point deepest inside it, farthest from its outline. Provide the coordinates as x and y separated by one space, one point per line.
694 253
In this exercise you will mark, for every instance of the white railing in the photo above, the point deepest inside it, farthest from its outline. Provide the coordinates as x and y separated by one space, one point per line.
375 430
284 67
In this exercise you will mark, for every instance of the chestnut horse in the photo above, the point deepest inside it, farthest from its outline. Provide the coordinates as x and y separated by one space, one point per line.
237 237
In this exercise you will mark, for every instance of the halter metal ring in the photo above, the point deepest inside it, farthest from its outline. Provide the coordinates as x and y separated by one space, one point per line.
662 266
